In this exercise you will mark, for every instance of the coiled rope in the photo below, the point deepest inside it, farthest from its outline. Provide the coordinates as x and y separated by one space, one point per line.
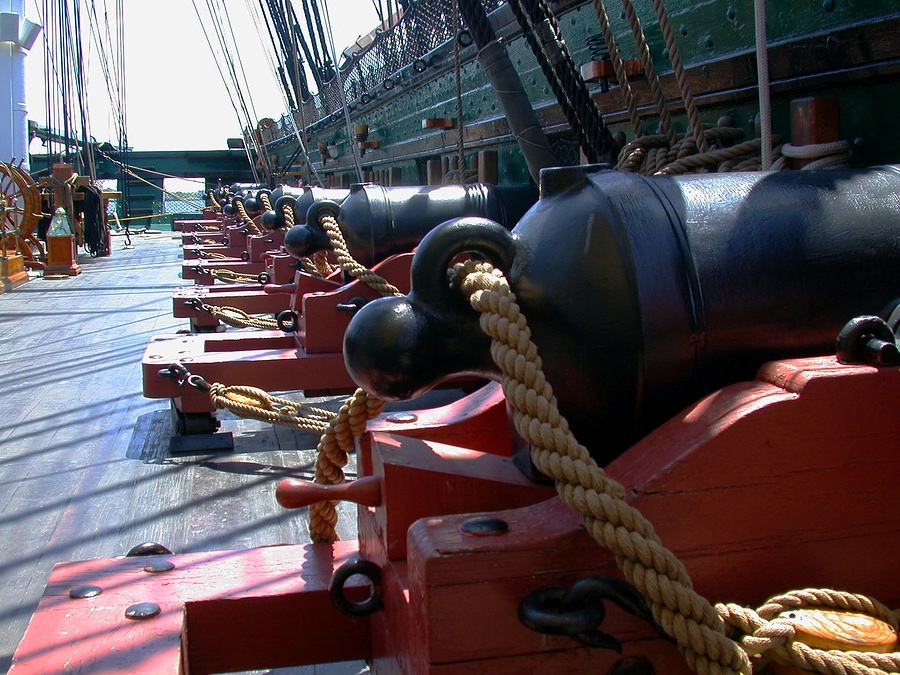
236 317
231 277
655 154
265 201
255 403
698 627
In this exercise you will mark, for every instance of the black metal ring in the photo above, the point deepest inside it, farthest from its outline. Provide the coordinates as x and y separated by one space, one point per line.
287 321
364 568
245 256
545 611
264 278
856 333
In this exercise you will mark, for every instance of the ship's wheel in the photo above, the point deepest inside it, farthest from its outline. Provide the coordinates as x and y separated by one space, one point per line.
20 212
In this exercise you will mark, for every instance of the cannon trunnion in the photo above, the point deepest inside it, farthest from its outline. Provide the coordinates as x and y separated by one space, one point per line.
645 293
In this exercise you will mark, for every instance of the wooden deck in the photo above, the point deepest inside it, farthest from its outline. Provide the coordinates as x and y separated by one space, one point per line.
84 462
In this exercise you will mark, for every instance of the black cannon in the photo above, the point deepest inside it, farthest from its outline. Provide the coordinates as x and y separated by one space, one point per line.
378 222
645 293
300 199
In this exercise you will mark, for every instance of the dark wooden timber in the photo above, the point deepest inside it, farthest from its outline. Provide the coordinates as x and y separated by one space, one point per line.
832 60
84 462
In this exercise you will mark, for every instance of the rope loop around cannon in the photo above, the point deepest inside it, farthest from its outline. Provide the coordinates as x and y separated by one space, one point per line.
699 628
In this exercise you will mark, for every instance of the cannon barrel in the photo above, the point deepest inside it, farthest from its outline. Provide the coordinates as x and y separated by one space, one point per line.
646 293
300 198
378 222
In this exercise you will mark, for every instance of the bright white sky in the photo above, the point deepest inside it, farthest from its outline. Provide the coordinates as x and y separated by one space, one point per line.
175 97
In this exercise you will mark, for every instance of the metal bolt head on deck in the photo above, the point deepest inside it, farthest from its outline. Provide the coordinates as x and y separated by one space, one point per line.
143 610
84 591
403 418
159 566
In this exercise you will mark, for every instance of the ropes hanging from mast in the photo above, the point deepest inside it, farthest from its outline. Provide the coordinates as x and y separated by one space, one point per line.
281 61
224 51
74 34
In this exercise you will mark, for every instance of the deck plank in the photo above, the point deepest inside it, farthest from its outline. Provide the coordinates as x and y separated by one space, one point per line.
84 462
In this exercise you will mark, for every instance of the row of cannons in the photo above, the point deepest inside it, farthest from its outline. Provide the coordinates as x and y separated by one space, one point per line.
722 347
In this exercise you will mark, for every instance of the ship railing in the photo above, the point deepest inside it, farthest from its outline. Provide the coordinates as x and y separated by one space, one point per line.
423 28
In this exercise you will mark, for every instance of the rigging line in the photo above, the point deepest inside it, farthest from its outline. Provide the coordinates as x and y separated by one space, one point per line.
291 72
317 63
275 48
261 151
329 60
81 90
340 88
181 198
301 144
299 37
112 85
237 73
150 171
222 76
234 92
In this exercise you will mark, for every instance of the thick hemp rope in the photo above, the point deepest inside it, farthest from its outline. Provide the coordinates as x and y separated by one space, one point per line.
245 217
318 264
255 403
697 626
231 277
347 262
618 67
238 318
334 446
337 440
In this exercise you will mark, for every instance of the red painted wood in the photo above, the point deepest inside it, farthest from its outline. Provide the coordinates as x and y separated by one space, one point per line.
324 324
195 251
279 266
293 493
760 488
477 421
232 610
252 301
189 268
270 360
424 479
188 226
259 244
191 238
